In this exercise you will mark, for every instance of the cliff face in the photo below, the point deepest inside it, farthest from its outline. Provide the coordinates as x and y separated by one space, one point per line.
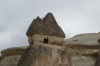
41 54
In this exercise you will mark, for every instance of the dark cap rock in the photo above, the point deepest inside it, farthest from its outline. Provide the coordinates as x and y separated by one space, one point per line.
47 26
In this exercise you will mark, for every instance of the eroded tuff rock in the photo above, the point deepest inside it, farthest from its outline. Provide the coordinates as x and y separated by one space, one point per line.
84 39
41 54
13 51
11 56
97 63
10 60
47 26
89 41
84 49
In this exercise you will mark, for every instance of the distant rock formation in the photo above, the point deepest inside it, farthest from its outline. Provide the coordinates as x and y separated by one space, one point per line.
13 51
84 49
84 39
40 54
41 29
11 56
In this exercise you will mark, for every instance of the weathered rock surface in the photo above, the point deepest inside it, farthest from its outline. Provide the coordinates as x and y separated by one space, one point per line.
83 61
84 49
84 39
47 26
41 54
88 41
13 51
83 57
10 60
97 63
11 56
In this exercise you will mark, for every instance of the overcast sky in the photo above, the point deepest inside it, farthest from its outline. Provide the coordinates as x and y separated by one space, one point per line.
74 17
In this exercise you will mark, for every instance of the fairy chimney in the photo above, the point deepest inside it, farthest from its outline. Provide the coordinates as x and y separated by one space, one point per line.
45 30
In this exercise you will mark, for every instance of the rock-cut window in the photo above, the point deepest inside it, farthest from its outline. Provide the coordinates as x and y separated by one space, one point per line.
46 40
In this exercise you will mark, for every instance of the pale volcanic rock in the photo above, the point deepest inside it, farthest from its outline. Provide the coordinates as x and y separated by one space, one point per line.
10 60
11 56
88 41
13 51
84 39
84 49
40 54
97 63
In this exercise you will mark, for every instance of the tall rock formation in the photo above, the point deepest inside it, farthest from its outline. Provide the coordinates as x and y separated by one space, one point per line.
40 29
46 40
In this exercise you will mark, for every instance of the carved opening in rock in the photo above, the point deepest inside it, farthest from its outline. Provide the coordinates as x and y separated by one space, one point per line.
45 40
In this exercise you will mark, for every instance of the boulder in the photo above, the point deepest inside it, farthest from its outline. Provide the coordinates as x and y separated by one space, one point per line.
41 54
